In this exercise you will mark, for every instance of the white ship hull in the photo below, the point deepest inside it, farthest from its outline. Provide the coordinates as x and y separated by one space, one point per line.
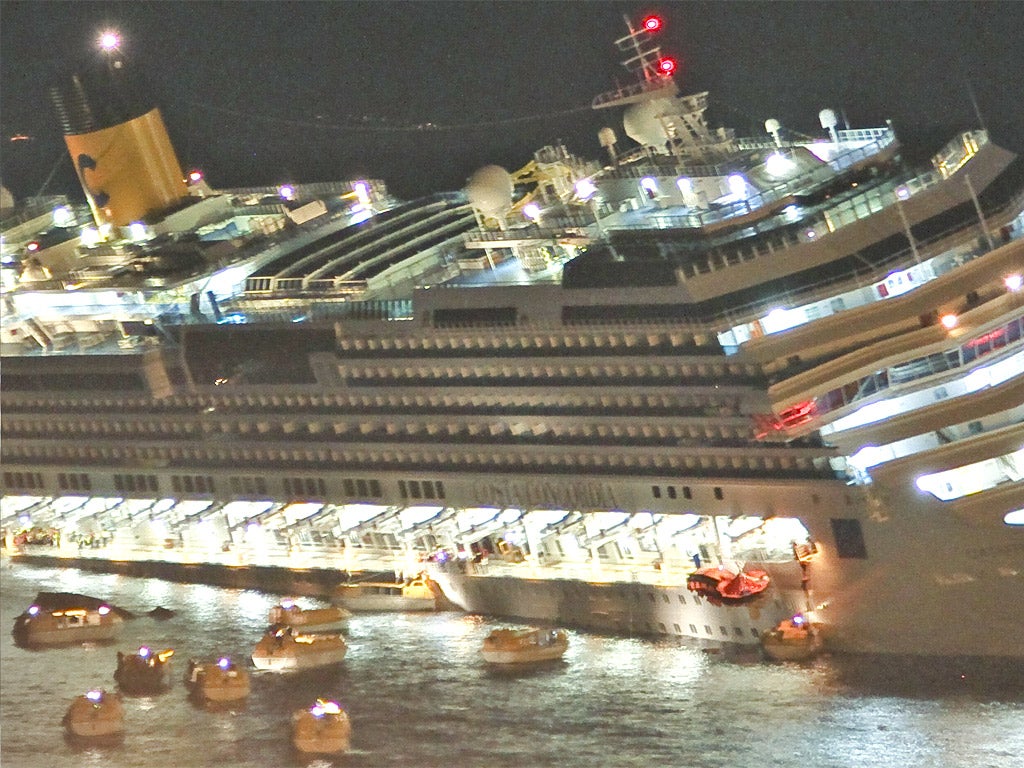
622 607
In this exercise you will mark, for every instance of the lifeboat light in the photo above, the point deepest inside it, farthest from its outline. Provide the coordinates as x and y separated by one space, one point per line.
95 696
224 662
1013 282
33 610
144 652
103 610
325 707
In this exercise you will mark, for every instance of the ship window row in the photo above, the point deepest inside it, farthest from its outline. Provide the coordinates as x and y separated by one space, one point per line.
305 487
373 458
679 403
571 373
670 492
922 367
720 258
248 485
722 433
421 489
133 483
23 481
192 484
361 488
643 342
74 481
632 314
595 376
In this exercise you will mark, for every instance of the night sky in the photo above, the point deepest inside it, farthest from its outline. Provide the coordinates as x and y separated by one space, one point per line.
421 94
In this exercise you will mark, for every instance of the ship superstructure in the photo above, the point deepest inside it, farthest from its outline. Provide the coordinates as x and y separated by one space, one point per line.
780 355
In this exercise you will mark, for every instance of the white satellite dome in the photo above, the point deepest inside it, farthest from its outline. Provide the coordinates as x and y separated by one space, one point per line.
641 122
827 118
490 190
606 137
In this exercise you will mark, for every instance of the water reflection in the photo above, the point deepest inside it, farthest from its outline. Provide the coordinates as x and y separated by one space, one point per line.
419 694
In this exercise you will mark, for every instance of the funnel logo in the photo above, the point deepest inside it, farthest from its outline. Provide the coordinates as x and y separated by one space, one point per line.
88 163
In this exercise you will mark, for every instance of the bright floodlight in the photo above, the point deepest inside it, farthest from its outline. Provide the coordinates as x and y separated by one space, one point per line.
110 41
531 211
1013 282
287 191
738 186
949 321
585 189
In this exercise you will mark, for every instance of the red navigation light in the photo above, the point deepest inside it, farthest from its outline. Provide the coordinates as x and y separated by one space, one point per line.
652 23
33 246
667 66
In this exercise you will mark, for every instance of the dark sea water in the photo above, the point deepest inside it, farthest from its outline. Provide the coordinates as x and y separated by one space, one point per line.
418 694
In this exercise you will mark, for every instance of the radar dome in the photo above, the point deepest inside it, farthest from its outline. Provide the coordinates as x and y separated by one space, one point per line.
642 124
490 190
828 119
606 137
771 125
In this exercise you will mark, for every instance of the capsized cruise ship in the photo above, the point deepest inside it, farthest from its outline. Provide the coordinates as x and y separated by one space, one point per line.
691 388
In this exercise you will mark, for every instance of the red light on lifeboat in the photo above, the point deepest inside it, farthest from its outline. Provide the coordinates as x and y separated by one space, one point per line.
652 23
667 66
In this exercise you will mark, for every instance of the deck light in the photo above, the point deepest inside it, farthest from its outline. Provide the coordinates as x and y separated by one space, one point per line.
362 191
109 40
531 211
1013 282
949 321
738 186
585 189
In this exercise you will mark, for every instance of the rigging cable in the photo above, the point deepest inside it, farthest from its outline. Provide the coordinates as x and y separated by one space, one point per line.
377 128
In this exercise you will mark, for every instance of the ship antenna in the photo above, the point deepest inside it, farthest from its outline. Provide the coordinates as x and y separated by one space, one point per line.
974 103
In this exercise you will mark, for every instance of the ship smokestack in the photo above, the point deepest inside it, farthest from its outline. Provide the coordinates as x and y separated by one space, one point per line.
117 141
